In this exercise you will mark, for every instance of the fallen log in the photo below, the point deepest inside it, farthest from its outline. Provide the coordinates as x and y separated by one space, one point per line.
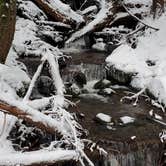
103 18
59 11
30 115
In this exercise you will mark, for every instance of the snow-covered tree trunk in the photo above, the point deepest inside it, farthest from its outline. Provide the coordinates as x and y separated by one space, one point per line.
7 26
59 11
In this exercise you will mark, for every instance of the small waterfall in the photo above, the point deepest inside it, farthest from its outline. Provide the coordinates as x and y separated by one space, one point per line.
145 155
91 71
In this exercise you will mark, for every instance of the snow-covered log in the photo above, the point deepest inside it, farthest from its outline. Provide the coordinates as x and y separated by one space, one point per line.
59 11
32 116
38 157
104 17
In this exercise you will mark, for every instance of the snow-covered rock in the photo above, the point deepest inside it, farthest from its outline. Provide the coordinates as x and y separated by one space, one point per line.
157 87
99 45
127 119
146 63
101 117
14 77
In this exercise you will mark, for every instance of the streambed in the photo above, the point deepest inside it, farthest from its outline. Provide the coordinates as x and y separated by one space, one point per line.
131 144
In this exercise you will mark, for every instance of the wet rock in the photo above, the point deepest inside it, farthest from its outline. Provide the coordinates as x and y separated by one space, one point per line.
102 118
106 92
62 63
80 78
119 76
102 84
110 47
45 85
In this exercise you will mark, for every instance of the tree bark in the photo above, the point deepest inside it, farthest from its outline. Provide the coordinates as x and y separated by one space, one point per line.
7 26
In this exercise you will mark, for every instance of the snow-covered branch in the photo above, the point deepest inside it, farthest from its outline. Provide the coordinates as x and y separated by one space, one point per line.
102 18
38 157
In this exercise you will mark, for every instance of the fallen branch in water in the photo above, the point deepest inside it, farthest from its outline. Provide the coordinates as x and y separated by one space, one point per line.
135 96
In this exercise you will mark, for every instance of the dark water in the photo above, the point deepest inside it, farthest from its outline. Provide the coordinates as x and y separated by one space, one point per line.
144 150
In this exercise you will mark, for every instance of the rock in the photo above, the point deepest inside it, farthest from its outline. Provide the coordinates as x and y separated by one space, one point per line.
103 118
102 84
106 91
74 90
127 119
110 47
80 79
62 63
19 82
119 76
99 45
45 85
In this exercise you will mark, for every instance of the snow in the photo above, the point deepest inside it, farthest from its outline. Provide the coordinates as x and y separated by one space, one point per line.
99 45
31 11
42 156
127 119
103 117
9 76
133 137
89 9
9 83
151 48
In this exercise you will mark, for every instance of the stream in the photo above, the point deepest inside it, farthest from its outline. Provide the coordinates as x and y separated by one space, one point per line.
134 143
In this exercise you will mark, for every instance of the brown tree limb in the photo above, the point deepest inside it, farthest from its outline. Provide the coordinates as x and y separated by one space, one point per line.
31 116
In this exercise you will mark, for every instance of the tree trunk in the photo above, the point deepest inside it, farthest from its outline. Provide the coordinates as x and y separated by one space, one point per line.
7 26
